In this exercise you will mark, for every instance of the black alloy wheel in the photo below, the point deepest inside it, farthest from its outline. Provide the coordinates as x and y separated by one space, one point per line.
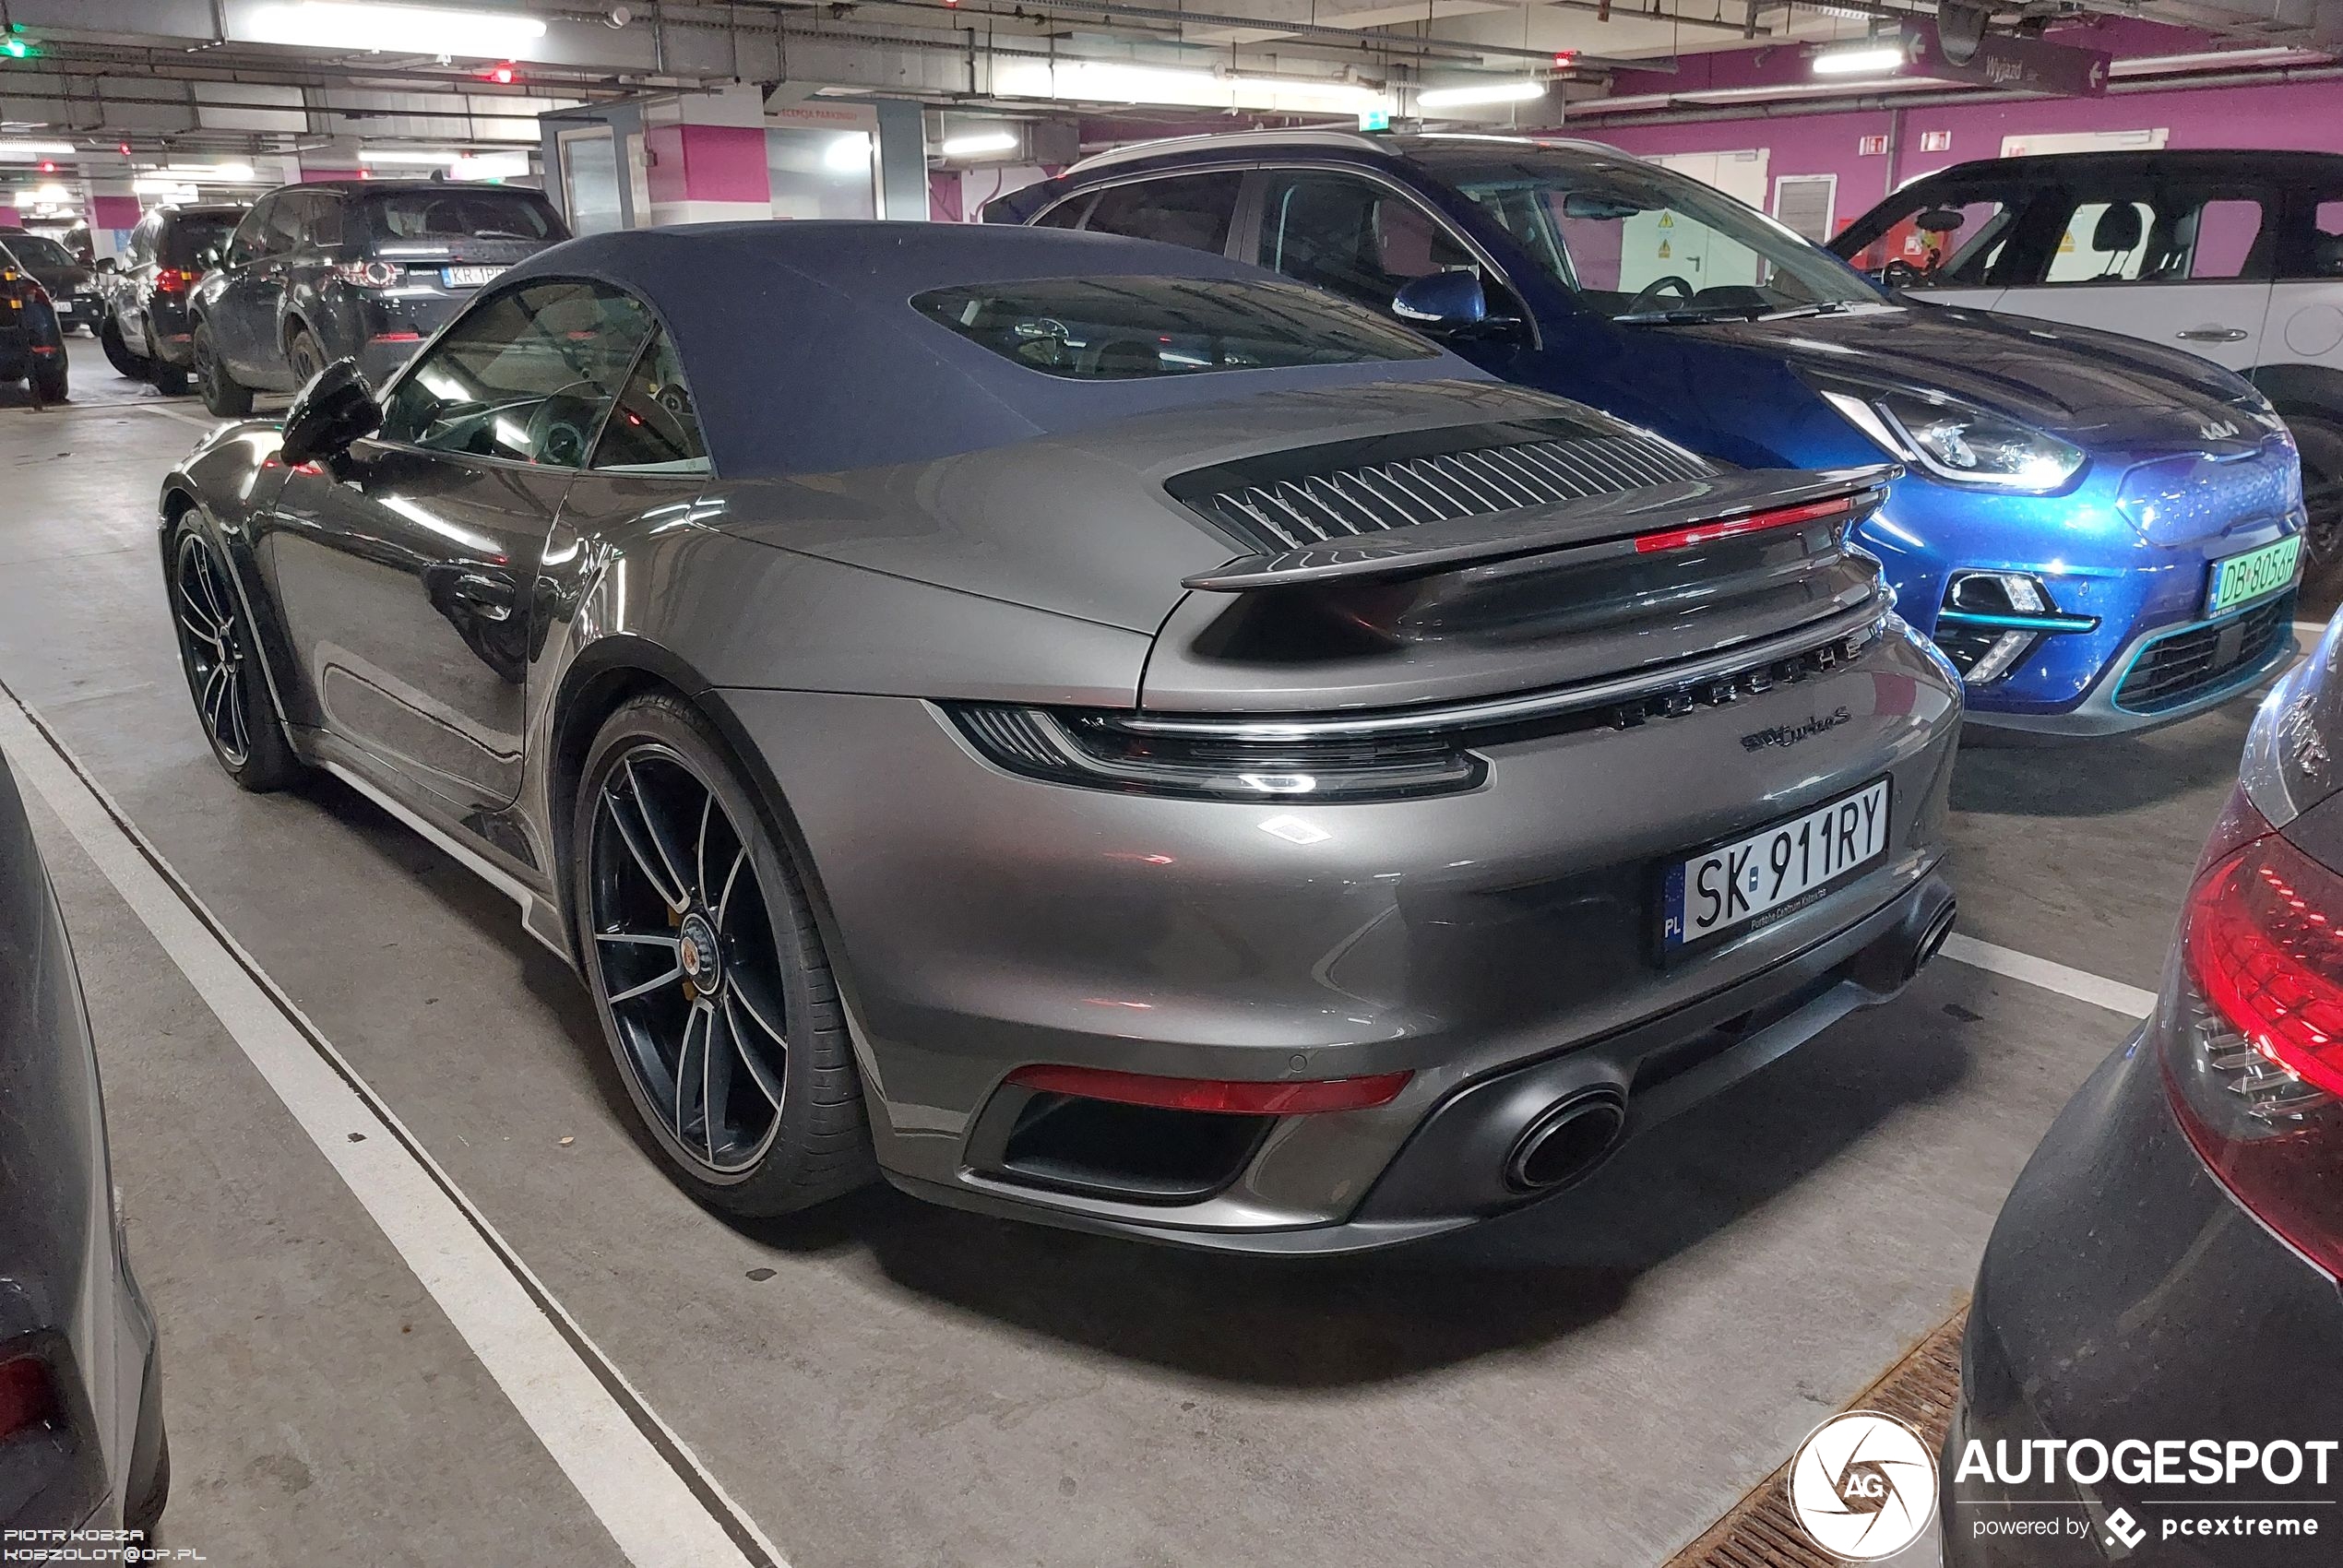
305 358
222 668
222 394
715 996
2320 442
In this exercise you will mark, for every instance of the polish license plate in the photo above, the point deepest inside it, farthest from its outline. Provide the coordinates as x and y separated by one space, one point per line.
1725 888
467 277
2240 579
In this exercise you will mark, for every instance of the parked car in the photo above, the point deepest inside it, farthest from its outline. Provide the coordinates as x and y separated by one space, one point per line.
363 270
58 270
143 324
1110 737
81 1429
2101 534
2237 256
32 347
2164 1272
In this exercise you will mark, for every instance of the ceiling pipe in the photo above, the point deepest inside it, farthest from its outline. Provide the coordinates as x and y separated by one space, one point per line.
1589 110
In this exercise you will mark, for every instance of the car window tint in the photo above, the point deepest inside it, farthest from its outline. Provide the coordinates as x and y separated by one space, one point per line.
1354 238
526 374
1188 209
1067 215
322 222
2217 241
654 427
195 240
2166 235
1128 328
2325 257
455 213
142 240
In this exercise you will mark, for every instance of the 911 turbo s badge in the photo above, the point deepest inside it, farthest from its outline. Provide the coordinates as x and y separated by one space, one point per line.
1790 734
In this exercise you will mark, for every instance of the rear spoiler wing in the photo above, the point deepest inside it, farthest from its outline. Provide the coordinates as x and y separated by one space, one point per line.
1680 515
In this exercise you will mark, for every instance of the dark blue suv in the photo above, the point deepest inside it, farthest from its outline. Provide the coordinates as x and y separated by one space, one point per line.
2099 534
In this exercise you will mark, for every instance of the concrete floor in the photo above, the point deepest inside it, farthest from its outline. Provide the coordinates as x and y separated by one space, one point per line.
1589 1382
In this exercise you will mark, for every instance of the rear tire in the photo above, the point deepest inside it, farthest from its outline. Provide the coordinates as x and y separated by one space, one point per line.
662 817
48 379
2320 438
303 357
221 659
222 394
119 354
168 379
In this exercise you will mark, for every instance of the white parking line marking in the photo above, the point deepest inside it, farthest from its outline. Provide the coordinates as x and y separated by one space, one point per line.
649 1491
2080 984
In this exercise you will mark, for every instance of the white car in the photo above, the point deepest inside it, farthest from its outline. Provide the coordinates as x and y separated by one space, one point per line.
2234 256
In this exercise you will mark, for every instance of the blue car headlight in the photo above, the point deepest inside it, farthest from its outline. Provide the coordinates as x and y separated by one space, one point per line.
1957 442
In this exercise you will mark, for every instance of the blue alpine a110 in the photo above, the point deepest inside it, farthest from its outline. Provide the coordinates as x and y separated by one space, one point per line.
2101 534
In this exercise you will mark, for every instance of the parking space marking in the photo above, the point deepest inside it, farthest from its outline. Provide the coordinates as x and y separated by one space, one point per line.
646 1487
2080 984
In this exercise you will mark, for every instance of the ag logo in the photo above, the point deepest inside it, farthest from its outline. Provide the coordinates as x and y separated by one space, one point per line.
1864 1486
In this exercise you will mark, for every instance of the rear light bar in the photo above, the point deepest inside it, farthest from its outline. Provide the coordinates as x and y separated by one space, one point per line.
1221 1096
1756 522
2253 1063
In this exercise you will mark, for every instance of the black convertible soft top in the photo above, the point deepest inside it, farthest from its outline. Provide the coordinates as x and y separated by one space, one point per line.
805 356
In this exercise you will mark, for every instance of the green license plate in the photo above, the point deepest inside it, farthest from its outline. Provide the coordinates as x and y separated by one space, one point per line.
2242 578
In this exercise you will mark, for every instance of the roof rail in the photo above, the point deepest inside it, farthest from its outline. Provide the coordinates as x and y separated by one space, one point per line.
1138 150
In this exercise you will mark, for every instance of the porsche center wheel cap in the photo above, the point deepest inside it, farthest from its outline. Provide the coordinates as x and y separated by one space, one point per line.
697 951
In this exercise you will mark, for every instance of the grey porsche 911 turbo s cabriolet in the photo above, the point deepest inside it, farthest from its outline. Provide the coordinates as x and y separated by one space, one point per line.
1089 731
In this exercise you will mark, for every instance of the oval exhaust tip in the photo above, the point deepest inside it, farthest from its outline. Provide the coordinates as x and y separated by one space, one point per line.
1567 1141
1932 941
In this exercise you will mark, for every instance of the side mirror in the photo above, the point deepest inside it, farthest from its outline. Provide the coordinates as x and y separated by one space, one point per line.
105 264
1442 302
334 409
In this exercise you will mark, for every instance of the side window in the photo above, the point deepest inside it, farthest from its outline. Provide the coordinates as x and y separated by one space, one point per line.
1067 214
1949 243
526 374
653 428
322 219
2105 242
249 243
142 240
2223 238
280 230
2325 256
1354 238
1193 211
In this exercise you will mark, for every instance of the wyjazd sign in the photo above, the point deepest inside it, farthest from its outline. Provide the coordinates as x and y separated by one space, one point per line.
2013 65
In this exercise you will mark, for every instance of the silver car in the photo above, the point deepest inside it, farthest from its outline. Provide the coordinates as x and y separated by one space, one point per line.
1089 731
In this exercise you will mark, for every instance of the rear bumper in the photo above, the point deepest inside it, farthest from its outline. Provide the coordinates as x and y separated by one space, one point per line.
981 921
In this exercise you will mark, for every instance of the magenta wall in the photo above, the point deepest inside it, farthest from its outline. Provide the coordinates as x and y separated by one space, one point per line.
707 163
2306 115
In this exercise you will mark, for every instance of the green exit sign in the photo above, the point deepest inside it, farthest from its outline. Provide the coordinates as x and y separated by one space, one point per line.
1374 119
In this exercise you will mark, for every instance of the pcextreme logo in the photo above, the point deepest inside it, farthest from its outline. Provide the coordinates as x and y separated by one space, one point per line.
1863 1486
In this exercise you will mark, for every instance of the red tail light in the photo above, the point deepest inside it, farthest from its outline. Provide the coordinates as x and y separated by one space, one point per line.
27 1398
1779 517
174 281
1231 1097
2254 1063
368 274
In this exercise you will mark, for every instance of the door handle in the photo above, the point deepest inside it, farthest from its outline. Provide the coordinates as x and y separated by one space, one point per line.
2212 334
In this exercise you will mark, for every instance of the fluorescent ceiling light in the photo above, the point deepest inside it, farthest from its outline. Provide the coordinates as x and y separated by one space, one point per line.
979 142
175 190
37 149
406 155
1870 60
211 173
1485 92
409 30
488 166
1106 81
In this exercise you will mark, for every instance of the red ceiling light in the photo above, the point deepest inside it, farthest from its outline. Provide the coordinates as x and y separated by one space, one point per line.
1565 58
501 73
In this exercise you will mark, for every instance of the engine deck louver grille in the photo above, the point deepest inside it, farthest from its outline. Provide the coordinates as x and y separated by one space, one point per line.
1289 513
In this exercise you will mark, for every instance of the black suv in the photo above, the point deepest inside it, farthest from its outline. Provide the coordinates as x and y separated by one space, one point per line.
351 269
144 327
60 272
